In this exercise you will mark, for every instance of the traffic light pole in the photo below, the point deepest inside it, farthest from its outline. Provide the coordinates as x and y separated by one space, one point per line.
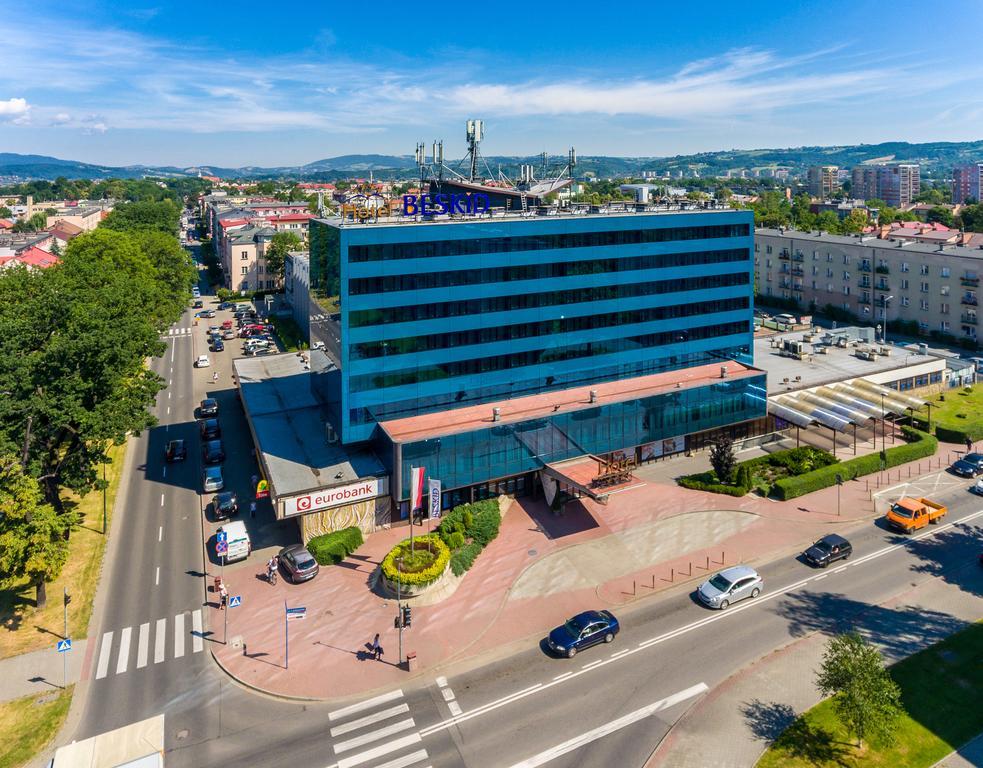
399 608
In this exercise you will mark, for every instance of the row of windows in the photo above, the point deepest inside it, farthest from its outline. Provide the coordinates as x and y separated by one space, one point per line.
476 245
387 283
865 264
372 381
410 344
431 311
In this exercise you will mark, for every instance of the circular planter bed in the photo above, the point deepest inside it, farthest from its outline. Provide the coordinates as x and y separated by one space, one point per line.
412 571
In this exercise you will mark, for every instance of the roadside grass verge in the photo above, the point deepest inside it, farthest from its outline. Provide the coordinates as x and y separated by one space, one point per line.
940 690
289 334
959 415
23 627
28 724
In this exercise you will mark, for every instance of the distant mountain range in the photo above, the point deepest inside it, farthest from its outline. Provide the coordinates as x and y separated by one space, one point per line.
936 158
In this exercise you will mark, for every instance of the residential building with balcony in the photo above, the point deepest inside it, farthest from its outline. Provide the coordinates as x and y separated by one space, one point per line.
896 184
967 183
823 181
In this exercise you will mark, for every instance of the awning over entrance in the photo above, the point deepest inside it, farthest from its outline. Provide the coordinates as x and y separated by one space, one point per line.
594 477
838 405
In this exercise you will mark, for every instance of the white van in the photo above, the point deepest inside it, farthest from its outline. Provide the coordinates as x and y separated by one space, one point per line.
238 540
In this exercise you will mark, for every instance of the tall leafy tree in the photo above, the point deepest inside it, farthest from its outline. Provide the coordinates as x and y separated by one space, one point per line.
158 216
33 541
865 697
722 458
276 252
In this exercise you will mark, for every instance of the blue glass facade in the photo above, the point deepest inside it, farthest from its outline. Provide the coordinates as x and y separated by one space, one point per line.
421 318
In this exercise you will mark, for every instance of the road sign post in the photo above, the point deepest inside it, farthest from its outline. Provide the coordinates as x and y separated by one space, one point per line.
234 602
66 600
299 612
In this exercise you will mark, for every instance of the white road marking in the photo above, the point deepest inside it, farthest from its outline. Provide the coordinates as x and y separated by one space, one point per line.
143 643
172 354
159 640
168 393
718 616
162 499
197 639
402 762
367 704
179 636
441 681
168 410
354 725
160 533
165 471
820 578
620 653
592 664
124 651
368 738
383 749
455 708
157 577
104 650
615 725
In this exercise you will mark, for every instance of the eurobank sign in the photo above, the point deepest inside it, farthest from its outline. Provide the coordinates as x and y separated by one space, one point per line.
445 203
331 497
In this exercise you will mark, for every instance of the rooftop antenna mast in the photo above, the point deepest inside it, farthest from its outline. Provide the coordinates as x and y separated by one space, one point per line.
475 133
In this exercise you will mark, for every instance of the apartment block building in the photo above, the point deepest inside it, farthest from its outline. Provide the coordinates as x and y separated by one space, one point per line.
823 181
967 183
896 184
243 258
877 279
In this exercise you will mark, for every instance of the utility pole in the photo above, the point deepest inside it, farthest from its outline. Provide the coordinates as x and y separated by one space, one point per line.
399 610
104 497
66 599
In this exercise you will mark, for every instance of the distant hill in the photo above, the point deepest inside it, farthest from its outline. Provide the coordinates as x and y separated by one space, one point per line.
936 158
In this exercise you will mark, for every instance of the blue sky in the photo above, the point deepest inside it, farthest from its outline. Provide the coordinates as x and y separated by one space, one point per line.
249 83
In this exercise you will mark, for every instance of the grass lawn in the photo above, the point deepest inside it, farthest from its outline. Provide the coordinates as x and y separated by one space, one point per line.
289 333
960 410
28 724
940 689
23 628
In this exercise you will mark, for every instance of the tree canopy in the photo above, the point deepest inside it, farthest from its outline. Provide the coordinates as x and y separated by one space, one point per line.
276 252
156 216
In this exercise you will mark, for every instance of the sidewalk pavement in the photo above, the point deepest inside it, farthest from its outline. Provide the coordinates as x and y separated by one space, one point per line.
541 569
968 756
734 724
40 671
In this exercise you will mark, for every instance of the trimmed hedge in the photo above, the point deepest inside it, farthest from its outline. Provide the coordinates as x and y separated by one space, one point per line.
463 559
920 445
796 460
707 481
958 436
332 548
468 529
423 577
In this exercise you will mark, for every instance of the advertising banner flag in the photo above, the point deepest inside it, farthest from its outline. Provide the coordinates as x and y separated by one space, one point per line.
416 488
433 491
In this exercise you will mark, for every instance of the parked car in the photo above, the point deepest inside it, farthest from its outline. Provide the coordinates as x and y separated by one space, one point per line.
212 479
729 586
237 541
212 329
208 407
909 514
212 452
978 487
227 324
225 505
298 564
226 305
969 465
217 344
582 631
207 313
210 429
202 361
197 304
176 451
229 334
828 550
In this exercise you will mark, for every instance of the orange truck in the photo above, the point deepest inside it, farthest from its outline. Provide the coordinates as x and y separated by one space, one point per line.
909 514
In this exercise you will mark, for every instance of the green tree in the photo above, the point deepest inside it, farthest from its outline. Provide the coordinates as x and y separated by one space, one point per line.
802 217
5 212
55 248
276 252
934 196
941 215
855 222
971 218
865 697
722 458
33 540
158 216
827 221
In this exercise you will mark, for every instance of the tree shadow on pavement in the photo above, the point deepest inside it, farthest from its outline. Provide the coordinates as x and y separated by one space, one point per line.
898 630
953 557
767 720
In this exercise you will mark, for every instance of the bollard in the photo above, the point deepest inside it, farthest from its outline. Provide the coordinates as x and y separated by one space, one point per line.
411 661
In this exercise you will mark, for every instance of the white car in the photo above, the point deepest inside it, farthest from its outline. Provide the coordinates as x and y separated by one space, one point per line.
978 488
202 361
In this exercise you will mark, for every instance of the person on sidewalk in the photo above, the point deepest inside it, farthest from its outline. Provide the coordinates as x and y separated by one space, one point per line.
969 445
376 648
252 509
215 376
223 597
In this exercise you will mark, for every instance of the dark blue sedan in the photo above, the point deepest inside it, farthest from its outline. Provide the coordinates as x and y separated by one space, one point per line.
582 631
969 465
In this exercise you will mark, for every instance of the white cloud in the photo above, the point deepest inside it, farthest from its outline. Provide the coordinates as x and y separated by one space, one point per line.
16 111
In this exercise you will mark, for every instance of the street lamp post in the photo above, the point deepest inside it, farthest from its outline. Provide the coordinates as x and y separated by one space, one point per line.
104 497
883 426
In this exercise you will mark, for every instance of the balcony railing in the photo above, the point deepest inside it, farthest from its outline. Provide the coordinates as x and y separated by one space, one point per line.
968 280
784 255
883 269
969 300
968 319
864 267
864 283
798 257
882 286
798 271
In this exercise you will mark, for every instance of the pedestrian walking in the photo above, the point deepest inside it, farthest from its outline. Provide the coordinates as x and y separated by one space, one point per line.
223 597
252 509
376 648
969 445
215 376
254 479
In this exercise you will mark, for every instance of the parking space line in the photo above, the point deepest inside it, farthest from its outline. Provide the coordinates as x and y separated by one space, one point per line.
162 499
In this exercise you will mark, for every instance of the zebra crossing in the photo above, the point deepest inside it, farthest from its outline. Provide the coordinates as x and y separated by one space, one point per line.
137 641
370 733
178 331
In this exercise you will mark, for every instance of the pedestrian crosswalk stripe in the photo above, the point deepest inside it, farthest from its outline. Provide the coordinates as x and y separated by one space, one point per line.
159 640
367 704
405 760
368 738
142 645
197 643
179 636
382 749
354 725
124 651
105 649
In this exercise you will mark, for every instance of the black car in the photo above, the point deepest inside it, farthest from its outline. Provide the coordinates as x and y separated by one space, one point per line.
197 304
217 344
176 451
969 465
210 430
209 407
298 563
226 305
582 631
213 452
225 505
828 550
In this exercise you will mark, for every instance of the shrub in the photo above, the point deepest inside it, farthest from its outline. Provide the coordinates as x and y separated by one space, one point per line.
707 481
464 558
427 574
921 445
332 548
455 540
486 525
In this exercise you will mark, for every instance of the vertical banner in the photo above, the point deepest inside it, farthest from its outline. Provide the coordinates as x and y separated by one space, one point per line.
416 488
433 491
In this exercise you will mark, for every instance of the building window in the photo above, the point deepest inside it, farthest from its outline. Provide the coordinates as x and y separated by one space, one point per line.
244 255
904 284
757 247
846 275
905 267
815 255
943 309
923 326
935 377
944 271
905 301
829 257
846 290
768 263
768 249
944 326
924 287
829 272
923 305
923 269
846 259
813 285
245 270
866 309
945 290
244 285
829 287
815 269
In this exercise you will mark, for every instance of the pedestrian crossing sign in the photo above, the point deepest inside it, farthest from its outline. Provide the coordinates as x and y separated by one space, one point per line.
235 601
64 645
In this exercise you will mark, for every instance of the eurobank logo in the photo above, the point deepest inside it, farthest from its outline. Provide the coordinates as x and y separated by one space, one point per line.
331 497
445 203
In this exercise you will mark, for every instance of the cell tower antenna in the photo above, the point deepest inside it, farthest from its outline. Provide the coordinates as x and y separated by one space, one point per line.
475 133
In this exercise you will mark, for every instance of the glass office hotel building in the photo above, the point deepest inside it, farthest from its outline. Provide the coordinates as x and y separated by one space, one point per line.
483 348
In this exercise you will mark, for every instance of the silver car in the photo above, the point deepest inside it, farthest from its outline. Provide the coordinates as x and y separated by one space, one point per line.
212 479
729 586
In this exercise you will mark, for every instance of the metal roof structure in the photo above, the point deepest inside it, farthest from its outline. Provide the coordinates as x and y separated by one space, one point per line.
838 405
